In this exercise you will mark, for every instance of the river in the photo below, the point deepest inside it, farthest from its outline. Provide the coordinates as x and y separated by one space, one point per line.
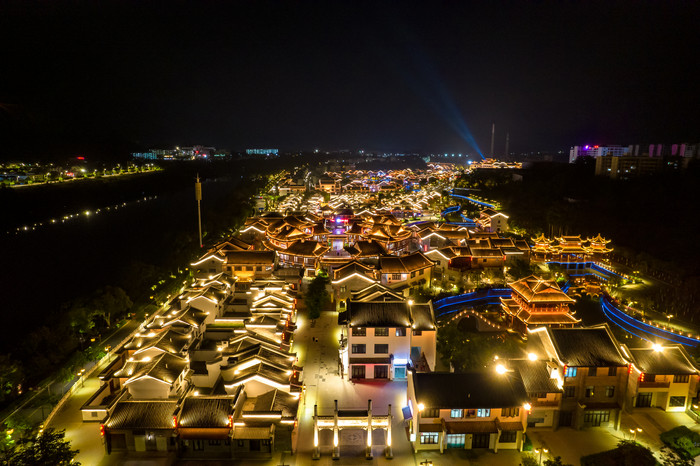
116 223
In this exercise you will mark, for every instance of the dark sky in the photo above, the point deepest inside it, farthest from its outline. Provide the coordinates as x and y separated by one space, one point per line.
377 75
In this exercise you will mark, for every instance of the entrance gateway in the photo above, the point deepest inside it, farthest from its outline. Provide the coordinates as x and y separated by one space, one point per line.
352 419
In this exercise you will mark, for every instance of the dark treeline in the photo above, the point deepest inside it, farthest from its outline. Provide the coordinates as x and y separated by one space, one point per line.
652 220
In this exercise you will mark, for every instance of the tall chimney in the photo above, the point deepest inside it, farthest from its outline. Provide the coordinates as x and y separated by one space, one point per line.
507 144
493 135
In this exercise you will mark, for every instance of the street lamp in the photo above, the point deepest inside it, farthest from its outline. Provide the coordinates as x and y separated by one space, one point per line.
540 451
82 380
634 431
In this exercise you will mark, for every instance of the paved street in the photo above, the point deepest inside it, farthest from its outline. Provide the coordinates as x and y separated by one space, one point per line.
324 385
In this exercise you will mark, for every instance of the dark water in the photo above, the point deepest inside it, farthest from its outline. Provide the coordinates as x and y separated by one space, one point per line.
42 268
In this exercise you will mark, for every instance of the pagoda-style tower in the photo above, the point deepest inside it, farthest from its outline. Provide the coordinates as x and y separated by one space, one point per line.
598 249
535 302
542 249
570 249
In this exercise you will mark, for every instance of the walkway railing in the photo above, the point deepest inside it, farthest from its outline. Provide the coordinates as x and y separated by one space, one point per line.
641 329
456 303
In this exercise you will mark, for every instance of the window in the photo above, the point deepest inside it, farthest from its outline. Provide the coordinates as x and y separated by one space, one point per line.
417 333
508 436
589 392
381 372
570 372
676 401
430 412
396 276
456 413
413 274
359 349
359 332
420 272
592 371
649 378
266 442
510 412
681 378
483 412
596 417
358 372
381 349
612 371
569 391
540 395
198 445
429 438
215 443
610 391
381 332
400 332
241 443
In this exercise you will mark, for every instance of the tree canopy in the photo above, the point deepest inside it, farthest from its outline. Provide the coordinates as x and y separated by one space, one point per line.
317 296
49 448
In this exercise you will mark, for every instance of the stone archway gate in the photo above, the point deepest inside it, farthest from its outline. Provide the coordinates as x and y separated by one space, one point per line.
352 419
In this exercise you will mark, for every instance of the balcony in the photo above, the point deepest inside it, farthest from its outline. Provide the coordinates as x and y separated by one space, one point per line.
654 384
545 403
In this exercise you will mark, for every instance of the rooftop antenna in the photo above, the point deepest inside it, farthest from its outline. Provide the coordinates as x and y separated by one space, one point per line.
198 196
493 134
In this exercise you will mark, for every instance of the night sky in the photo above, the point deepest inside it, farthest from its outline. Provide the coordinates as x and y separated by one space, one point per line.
389 76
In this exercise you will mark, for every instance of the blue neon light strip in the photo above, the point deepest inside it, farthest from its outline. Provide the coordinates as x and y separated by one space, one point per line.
453 303
472 200
610 310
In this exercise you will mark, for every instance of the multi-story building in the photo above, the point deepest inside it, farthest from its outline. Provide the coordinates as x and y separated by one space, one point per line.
596 151
492 221
593 370
484 409
405 271
661 377
382 334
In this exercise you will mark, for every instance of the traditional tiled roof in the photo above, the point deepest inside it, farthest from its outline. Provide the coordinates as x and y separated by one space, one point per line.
306 249
590 346
189 316
469 390
671 360
535 375
365 248
170 341
132 414
534 289
376 314
207 411
165 368
353 268
485 252
376 292
422 317
404 264
274 401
